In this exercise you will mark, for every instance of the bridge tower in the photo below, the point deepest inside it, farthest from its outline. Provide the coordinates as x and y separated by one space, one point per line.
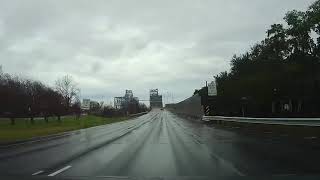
155 99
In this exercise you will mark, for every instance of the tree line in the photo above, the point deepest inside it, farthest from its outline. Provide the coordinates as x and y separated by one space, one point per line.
279 76
132 108
21 97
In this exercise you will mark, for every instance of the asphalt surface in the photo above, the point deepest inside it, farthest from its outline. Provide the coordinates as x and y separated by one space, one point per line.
162 144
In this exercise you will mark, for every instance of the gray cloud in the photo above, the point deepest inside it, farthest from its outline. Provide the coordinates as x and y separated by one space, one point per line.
110 46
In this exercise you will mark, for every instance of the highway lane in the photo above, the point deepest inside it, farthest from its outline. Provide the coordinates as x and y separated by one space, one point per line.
161 144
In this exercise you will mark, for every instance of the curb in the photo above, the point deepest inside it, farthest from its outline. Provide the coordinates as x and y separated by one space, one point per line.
138 114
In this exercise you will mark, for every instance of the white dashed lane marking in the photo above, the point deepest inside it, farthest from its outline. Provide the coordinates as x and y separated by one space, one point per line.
59 171
36 173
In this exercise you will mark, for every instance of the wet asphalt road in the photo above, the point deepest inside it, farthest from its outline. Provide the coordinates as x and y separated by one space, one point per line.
161 144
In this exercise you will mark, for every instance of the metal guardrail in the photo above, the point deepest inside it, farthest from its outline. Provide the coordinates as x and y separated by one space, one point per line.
270 121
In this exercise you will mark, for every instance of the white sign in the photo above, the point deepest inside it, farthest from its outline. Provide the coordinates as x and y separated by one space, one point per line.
212 89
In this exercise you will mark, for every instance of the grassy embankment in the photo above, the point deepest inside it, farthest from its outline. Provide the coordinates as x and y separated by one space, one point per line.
23 129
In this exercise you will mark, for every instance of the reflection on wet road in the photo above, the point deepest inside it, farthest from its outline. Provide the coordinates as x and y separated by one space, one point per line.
159 144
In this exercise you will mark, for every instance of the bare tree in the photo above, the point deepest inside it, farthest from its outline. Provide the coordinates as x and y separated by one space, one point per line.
68 89
28 98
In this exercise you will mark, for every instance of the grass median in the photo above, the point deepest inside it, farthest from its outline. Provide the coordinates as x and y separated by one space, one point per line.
23 129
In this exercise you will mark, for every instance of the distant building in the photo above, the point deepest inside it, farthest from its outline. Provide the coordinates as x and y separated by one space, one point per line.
155 99
85 105
119 102
128 95
127 101
94 105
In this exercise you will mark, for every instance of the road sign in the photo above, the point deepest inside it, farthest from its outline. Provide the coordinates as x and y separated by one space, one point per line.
212 89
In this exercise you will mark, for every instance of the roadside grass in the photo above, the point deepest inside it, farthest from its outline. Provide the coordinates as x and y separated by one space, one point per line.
23 129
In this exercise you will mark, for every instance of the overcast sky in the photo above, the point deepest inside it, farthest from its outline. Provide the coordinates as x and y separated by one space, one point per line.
109 46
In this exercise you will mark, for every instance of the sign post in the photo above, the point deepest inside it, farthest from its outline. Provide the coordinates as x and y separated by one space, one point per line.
210 98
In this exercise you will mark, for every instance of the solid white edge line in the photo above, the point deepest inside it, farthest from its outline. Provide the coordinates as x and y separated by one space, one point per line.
59 171
36 173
